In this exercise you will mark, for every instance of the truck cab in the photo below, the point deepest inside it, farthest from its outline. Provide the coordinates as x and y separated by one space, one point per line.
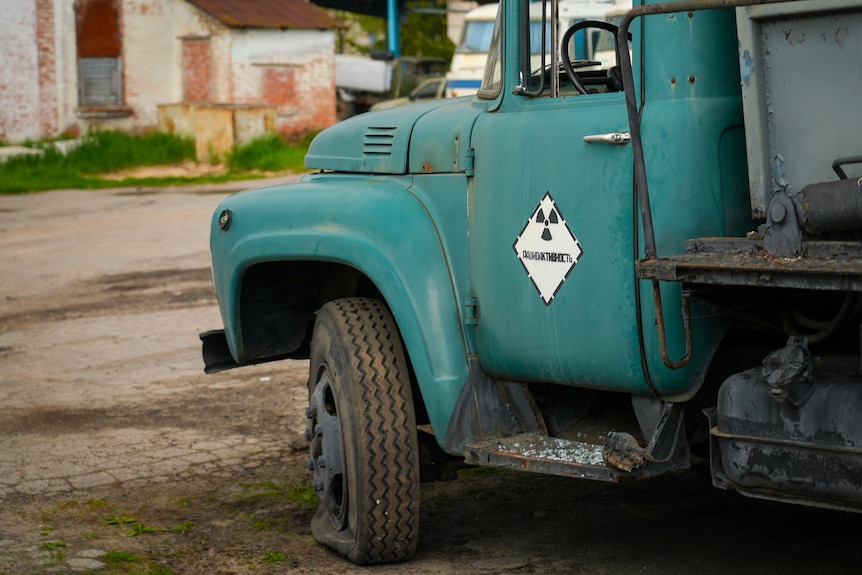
592 269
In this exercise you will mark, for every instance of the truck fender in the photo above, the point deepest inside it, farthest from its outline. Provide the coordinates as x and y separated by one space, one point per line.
342 220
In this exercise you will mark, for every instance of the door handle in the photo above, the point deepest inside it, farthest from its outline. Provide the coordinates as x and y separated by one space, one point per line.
616 138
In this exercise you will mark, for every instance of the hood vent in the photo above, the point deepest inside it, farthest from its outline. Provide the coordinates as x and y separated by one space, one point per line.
378 141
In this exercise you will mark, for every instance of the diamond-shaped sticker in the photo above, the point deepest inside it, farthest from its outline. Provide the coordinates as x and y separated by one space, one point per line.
548 249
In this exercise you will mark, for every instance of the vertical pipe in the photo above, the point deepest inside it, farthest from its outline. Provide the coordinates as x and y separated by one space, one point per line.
555 49
393 27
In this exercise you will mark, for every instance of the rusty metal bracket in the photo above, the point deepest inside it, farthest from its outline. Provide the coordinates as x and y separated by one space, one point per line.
662 335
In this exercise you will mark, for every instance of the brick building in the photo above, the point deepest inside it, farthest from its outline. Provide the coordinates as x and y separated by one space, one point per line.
68 65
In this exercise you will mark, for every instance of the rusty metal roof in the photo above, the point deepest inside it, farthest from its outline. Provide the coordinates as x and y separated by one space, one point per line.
268 14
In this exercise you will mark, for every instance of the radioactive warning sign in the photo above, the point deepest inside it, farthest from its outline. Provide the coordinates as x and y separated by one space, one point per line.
548 249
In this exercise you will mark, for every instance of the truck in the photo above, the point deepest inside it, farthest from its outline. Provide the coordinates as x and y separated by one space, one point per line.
362 81
602 274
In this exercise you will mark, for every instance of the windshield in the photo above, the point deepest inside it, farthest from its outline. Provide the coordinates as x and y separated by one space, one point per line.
492 81
584 61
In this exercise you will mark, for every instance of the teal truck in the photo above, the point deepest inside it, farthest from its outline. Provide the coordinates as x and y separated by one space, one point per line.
595 272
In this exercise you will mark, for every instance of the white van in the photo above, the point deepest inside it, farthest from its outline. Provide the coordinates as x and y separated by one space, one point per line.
468 62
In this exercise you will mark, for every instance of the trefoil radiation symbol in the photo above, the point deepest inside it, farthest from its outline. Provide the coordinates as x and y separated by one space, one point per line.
547 249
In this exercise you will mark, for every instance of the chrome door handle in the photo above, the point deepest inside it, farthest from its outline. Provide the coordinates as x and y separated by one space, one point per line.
617 138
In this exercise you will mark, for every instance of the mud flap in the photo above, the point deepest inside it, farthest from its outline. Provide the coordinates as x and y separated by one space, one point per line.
489 409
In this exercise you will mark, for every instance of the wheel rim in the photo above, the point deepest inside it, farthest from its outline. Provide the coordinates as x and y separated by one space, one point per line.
327 453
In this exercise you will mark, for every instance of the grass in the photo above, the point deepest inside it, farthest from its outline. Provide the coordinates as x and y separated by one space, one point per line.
269 153
183 527
301 493
128 563
119 520
273 556
52 546
141 529
104 152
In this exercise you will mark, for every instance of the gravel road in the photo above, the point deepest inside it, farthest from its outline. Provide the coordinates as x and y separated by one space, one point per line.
118 455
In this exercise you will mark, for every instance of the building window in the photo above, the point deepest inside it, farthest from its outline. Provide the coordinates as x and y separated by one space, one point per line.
100 82
100 70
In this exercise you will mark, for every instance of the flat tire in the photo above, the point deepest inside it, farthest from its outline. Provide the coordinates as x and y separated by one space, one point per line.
362 434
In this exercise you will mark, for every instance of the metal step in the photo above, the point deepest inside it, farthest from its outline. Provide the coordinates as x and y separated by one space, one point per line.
541 454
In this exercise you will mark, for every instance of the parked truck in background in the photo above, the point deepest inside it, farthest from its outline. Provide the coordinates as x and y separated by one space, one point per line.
430 89
361 81
594 273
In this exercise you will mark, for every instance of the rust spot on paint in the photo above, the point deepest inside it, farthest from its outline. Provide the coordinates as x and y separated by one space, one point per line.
427 167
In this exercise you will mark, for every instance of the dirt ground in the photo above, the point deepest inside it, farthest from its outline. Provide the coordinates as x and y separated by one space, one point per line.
118 455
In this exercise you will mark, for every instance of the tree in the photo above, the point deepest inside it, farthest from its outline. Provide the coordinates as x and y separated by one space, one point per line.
423 31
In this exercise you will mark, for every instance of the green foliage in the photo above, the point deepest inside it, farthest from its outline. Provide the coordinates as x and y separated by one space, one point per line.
183 528
99 153
104 152
360 27
120 520
273 556
140 529
269 154
122 561
425 34
422 33
289 491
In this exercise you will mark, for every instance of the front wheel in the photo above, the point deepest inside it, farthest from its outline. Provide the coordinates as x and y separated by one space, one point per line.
363 434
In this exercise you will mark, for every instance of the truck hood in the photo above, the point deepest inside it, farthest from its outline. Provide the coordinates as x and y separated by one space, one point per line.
422 137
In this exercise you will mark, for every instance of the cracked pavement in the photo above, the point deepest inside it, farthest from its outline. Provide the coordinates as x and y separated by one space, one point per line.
107 423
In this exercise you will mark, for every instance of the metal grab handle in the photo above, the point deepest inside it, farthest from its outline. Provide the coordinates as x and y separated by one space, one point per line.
616 138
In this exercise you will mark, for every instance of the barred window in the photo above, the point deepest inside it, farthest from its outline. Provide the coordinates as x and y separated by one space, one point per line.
100 82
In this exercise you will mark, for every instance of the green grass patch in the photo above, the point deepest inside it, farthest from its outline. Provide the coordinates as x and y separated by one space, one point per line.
183 528
141 529
299 492
269 154
131 564
106 152
99 153
119 520
273 556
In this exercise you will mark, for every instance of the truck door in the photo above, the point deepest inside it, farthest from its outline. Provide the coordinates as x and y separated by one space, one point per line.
551 241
